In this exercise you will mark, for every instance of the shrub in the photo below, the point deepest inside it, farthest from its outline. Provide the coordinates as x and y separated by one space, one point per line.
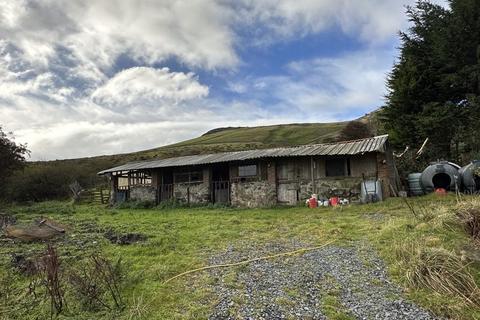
49 181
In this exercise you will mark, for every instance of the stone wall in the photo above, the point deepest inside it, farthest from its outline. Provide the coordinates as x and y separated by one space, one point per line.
192 192
326 187
253 194
143 193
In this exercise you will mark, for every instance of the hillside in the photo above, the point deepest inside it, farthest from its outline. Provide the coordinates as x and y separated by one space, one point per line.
232 139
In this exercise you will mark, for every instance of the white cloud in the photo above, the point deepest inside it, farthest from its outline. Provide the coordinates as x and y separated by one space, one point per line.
143 85
372 21
196 32
348 82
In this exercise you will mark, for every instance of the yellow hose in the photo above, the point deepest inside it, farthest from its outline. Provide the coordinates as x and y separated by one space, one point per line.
248 261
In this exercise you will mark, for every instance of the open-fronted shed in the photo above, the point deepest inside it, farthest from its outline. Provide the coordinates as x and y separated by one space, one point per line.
259 177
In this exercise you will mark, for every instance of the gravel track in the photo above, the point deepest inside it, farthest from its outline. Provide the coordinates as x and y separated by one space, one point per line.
303 286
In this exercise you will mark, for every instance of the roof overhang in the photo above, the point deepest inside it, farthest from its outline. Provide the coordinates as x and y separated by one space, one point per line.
354 147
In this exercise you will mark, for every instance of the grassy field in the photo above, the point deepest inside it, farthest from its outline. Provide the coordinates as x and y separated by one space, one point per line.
181 239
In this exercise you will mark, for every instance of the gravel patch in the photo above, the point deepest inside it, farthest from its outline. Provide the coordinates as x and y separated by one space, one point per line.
303 286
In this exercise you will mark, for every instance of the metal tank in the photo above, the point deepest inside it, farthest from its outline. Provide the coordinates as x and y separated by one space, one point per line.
414 184
441 174
470 177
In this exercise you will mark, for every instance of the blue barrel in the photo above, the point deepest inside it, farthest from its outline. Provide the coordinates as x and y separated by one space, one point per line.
414 184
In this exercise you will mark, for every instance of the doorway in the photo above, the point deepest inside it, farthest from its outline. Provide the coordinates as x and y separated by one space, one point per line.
221 184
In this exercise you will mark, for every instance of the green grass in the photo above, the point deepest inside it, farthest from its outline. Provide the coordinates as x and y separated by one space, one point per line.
184 238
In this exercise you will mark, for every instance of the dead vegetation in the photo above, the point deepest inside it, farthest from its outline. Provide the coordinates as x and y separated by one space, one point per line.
51 280
97 283
443 272
94 283
469 214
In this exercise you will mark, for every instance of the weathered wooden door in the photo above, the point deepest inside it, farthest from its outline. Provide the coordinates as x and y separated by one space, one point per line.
221 192
287 188
287 193
165 192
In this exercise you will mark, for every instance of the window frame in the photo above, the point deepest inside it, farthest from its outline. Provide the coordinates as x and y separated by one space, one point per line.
345 164
248 175
188 174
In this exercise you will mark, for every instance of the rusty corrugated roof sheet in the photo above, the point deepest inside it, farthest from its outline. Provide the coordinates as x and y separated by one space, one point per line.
374 144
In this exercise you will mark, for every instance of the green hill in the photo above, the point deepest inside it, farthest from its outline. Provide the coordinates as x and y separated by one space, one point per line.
232 139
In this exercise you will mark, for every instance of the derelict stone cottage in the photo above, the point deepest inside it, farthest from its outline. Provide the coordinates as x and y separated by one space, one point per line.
263 177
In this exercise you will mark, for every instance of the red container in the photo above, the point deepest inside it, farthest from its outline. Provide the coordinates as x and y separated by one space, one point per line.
334 201
312 203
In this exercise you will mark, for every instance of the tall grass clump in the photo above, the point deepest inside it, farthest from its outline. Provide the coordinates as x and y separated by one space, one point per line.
443 272
469 214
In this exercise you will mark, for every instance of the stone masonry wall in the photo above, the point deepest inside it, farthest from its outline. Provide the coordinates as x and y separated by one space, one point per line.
253 194
328 187
193 193
143 193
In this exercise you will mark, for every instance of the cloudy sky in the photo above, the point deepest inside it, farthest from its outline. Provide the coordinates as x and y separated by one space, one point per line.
87 77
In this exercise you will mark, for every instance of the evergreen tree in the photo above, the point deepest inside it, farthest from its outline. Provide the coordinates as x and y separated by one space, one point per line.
434 86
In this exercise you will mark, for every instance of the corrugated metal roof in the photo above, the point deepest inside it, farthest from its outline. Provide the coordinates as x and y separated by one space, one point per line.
374 144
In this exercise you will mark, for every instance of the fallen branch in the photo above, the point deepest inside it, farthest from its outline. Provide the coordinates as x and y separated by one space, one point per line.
403 153
420 151
298 251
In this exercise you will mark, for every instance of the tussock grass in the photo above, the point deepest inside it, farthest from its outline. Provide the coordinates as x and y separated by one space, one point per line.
443 272
469 214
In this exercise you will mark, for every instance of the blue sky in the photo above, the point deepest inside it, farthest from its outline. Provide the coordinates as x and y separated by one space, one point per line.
85 78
